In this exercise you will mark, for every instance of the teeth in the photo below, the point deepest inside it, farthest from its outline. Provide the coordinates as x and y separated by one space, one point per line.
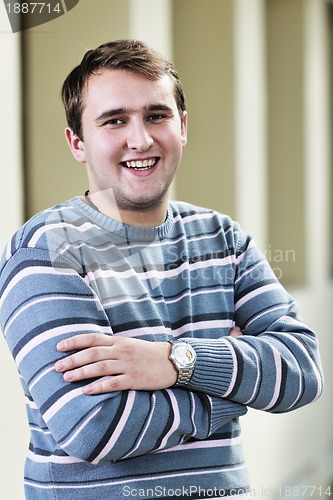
141 165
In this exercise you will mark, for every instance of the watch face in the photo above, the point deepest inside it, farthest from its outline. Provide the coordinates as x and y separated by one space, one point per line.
183 355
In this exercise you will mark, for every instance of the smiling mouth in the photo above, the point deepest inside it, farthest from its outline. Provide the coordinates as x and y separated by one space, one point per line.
140 164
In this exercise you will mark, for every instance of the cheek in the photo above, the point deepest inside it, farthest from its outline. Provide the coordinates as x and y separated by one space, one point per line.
102 147
173 140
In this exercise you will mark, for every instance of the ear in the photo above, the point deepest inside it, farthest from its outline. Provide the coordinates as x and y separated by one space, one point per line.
76 145
184 129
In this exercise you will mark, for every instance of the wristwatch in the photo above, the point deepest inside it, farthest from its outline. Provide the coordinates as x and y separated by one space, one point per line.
183 357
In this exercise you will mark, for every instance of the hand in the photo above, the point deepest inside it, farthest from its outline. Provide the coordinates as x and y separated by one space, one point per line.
235 332
126 363
123 363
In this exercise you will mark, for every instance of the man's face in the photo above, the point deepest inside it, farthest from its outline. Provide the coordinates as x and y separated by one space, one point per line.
132 139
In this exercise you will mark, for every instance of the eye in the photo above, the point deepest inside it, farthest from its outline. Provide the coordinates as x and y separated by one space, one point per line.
114 121
156 117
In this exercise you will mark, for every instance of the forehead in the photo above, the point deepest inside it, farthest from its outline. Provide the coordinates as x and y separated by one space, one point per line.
124 88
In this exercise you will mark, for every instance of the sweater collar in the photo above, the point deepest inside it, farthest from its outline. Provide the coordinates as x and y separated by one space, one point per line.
131 233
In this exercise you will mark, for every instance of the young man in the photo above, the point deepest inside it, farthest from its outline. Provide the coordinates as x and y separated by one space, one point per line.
119 308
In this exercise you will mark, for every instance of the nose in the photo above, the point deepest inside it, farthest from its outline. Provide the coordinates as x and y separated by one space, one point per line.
139 138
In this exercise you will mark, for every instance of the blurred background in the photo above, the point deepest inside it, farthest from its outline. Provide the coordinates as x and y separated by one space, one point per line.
259 84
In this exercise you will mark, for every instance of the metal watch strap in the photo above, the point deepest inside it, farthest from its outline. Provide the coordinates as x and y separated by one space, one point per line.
184 376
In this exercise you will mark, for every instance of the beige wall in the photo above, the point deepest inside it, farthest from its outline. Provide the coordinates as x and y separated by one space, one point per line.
203 54
286 160
50 51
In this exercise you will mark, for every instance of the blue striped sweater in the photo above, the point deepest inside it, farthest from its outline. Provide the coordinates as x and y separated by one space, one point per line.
73 270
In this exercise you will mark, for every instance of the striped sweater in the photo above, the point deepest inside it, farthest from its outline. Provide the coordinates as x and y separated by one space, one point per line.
72 270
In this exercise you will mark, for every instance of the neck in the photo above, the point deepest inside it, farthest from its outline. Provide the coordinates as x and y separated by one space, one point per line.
146 217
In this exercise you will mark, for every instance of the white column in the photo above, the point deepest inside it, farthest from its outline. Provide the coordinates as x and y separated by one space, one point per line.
14 435
250 120
150 21
317 140
11 199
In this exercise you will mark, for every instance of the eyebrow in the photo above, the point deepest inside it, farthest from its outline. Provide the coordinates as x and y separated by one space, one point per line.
126 111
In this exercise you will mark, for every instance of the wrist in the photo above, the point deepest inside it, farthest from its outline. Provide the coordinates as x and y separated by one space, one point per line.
171 371
183 357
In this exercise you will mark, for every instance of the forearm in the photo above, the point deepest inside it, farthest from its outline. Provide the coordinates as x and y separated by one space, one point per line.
99 427
277 371
117 425
275 366
132 423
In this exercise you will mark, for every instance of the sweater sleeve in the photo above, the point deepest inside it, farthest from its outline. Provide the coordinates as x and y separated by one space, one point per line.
40 305
275 366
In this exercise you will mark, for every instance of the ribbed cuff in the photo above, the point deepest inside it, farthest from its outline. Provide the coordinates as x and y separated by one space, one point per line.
223 411
213 375
214 366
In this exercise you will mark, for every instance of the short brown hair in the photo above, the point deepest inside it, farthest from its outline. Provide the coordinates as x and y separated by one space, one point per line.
131 55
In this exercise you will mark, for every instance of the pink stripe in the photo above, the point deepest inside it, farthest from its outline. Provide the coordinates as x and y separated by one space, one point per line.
197 265
255 293
257 268
29 271
314 366
52 458
31 404
168 301
58 225
56 332
162 274
77 432
240 257
153 398
148 478
66 398
190 218
216 443
8 250
193 410
188 327
41 301
234 369
269 311
255 389
278 379
154 330
203 325
118 430
99 273
42 375
176 420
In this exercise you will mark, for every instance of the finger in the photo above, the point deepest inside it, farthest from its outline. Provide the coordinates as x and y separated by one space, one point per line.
84 357
107 384
95 370
235 332
83 341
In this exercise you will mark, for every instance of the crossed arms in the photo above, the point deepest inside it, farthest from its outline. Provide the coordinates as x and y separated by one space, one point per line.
60 342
